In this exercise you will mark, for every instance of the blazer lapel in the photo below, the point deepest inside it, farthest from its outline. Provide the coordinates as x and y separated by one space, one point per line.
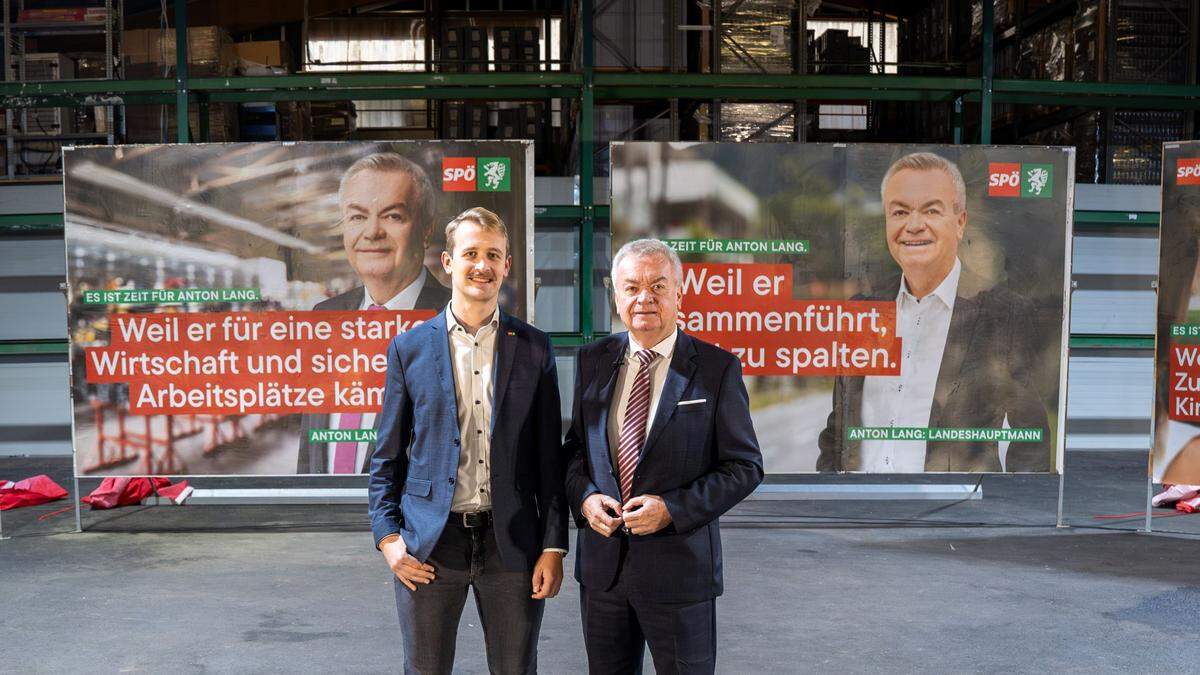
606 380
506 347
439 338
683 367
960 335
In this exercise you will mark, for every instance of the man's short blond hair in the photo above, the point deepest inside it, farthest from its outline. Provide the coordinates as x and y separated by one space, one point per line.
485 219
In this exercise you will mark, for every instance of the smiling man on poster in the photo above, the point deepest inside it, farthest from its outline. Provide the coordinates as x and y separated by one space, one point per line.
966 357
660 446
386 203
466 480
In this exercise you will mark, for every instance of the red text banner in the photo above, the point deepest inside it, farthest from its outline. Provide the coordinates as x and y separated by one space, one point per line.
749 310
1185 382
250 362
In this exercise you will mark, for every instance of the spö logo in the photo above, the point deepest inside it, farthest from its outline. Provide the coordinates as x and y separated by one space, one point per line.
1187 171
1010 179
476 174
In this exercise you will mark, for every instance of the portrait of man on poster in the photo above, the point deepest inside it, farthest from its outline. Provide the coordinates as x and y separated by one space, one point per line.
967 358
386 203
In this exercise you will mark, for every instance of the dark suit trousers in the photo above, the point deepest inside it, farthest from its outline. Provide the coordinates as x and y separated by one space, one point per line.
619 622
468 558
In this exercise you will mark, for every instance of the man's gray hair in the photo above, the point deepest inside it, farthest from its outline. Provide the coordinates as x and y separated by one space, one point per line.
648 248
389 162
928 161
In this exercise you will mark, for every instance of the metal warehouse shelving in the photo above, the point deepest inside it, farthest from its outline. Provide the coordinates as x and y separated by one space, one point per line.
586 86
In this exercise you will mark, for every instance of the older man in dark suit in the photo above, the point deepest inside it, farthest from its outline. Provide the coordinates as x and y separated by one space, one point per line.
661 445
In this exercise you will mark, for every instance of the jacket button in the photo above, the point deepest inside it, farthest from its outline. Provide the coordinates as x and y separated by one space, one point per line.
452 481
457 441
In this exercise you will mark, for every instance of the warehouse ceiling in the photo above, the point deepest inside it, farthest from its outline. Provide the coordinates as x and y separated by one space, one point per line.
239 16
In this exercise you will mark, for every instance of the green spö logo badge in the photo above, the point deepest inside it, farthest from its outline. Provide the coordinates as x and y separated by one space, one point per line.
476 174
493 174
1010 179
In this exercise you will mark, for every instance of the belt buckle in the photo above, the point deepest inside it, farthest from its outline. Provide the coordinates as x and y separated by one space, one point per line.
474 519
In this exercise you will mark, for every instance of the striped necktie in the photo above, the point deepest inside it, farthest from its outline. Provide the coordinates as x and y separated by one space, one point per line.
633 428
345 454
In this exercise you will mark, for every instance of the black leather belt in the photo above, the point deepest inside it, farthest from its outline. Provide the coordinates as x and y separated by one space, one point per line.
473 519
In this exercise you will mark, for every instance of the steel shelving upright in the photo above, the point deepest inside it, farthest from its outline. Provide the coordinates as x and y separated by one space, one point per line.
15 36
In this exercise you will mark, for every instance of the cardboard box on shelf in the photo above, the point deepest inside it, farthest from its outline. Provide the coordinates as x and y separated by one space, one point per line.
210 51
264 52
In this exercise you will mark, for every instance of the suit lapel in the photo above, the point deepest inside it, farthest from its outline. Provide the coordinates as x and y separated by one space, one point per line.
683 367
439 338
506 348
606 380
960 335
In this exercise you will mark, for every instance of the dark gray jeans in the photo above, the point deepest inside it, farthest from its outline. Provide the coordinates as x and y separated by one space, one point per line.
468 558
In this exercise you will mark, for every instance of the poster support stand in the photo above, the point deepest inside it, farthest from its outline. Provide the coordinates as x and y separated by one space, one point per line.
1062 480
2 537
78 502
1147 528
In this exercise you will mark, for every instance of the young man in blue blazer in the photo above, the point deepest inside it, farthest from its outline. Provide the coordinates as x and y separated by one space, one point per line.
661 445
466 480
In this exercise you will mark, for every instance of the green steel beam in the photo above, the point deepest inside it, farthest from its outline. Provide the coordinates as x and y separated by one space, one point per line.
181 72
33 347
761 81
1116 218
1094 101
1111 341
586 173
367 80
65 100
774 93
985 80
567 212
568 340
1132 90
26 223
389 94
498 86
78 87
959 120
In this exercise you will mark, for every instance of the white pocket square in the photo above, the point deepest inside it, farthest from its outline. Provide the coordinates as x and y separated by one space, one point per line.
691 402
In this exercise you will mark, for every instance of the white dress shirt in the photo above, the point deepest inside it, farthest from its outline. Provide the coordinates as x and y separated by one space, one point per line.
405 299
624 386
906 400
471 357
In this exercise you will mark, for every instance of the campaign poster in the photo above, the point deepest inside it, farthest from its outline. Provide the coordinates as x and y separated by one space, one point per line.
230 305
895 308
1175 456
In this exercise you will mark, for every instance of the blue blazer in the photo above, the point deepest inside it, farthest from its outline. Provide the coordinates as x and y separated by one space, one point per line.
701 458
415 462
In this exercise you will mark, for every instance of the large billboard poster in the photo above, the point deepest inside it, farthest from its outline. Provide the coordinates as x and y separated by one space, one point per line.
1175 458
896 309
230 304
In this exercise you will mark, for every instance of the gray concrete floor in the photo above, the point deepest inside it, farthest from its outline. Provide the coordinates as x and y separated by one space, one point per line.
981 586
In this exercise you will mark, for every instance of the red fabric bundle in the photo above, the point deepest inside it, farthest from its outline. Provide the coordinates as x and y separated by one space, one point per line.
124 491
29 492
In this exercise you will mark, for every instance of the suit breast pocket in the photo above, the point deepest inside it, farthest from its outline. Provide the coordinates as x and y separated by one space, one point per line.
417 487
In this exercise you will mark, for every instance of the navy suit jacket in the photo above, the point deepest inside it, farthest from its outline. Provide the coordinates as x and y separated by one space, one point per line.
415 462
701 458
314 457
987 374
